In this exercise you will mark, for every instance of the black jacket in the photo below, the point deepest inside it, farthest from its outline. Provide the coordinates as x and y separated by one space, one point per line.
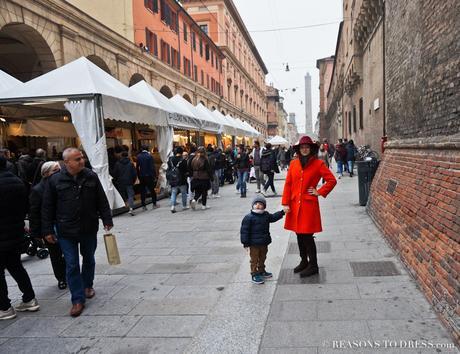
74 204
255 228
13 209
181 165
242 161
35 170
124 173
268 161
35 211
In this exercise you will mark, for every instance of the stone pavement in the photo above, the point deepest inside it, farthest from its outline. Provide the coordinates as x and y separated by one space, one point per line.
184 286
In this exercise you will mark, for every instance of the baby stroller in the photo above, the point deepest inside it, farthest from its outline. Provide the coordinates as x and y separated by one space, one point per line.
34 247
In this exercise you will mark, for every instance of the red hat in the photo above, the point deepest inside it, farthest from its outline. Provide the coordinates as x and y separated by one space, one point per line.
304 140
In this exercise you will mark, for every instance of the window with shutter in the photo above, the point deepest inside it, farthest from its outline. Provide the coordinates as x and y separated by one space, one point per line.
207 51
163 10
354 119
361 113
185 32
194 41
201 47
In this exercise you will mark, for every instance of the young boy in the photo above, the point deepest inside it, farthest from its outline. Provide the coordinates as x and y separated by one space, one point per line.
255 234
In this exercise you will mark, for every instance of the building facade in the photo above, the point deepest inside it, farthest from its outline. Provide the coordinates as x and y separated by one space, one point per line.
415 195
42 35
273 101
325 67
355 98
243 68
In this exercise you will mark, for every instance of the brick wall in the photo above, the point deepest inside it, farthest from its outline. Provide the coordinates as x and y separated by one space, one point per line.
421 220
415 195
422 68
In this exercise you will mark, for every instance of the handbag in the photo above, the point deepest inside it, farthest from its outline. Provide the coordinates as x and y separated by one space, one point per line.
113 256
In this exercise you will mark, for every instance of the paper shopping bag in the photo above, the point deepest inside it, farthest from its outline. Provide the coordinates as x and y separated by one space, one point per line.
113 256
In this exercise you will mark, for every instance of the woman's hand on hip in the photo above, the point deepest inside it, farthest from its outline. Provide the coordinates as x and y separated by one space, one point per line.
313 191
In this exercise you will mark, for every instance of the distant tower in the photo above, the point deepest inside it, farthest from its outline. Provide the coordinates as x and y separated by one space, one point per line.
291 118
308 111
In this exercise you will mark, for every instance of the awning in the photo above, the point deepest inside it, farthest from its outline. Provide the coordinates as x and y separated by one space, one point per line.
42 128
205 122
8 82
210 119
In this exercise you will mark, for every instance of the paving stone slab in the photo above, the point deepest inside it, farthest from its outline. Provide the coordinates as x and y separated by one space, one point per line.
384 290
100 326
368 269
144 291
199 279
311 350
195 292
311 333
166 326
170 268
139 345
316 292
47 345
36 327
174 307
144 279
294 311
160 259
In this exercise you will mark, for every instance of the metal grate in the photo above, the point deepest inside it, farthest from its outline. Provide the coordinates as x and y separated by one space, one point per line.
287 277
374 269
321 247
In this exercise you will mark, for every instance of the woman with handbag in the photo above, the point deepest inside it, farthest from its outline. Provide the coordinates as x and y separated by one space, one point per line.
201 177
300 201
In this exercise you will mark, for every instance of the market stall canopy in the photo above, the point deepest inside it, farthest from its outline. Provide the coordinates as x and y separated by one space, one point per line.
239 129
278 140
250 131
177 116
205 122
210 118
42 128
8 82
228 126
81 79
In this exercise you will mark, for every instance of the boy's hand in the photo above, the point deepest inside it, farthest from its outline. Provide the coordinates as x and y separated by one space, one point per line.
286 209
246 248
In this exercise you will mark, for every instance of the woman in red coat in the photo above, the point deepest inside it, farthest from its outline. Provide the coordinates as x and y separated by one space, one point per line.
300 201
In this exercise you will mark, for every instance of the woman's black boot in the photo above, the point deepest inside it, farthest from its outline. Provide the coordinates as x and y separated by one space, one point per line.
312 267
303 254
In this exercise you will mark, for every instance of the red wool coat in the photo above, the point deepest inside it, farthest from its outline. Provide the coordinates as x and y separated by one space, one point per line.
304 216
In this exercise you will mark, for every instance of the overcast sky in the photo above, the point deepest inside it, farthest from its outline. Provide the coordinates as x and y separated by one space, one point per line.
300 48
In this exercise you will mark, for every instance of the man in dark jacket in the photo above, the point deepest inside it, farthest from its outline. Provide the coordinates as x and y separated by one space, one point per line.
177 178
242 165
269 166
124 177
10 166
340 157
13 208
351 154
255 235
73 202
36 166
147 176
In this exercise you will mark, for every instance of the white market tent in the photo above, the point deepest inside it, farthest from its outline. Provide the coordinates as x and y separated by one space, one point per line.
229 126
278 140
207 123
250 130
178 116
207 114
8 82
90 95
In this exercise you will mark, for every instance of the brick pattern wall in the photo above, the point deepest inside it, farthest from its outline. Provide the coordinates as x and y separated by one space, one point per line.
421 220
422 68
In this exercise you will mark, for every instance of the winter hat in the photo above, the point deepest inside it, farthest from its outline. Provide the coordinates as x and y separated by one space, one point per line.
259 199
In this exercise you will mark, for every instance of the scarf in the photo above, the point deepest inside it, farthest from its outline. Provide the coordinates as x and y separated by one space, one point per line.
258 211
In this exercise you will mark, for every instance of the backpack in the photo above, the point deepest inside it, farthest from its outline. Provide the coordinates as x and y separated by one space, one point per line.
173 174
266 163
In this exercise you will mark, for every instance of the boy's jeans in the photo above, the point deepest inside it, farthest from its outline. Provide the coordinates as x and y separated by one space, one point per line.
77 281
340 167
242 177
258 255
175 191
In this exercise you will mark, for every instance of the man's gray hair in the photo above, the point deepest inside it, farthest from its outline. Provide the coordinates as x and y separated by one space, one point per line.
40 153
48 167
67 152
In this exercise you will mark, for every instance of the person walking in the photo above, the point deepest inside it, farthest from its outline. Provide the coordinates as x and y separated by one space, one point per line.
269 167
200 171
242 166
147 176
10 166
255 235
13 209
300 201
35 222
256 154
72 203
36 166
351 156
176 174
340 157
212 158
282 157
124 177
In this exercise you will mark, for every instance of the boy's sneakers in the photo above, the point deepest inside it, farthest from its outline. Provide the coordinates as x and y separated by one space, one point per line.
8 314
266 275
257 279
32 306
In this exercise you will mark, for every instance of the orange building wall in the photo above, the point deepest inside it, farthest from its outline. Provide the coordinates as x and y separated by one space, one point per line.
145 18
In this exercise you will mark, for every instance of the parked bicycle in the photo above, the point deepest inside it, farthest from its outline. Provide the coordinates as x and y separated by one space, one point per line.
365 153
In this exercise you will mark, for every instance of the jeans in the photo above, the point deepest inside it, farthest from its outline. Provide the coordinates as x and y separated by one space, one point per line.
215 182
175 190
271 177
147 182
130 192
76 280
340 167
242 177
222 177
350 166
11 261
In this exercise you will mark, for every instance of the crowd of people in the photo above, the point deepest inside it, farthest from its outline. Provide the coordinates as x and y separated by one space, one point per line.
64 201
